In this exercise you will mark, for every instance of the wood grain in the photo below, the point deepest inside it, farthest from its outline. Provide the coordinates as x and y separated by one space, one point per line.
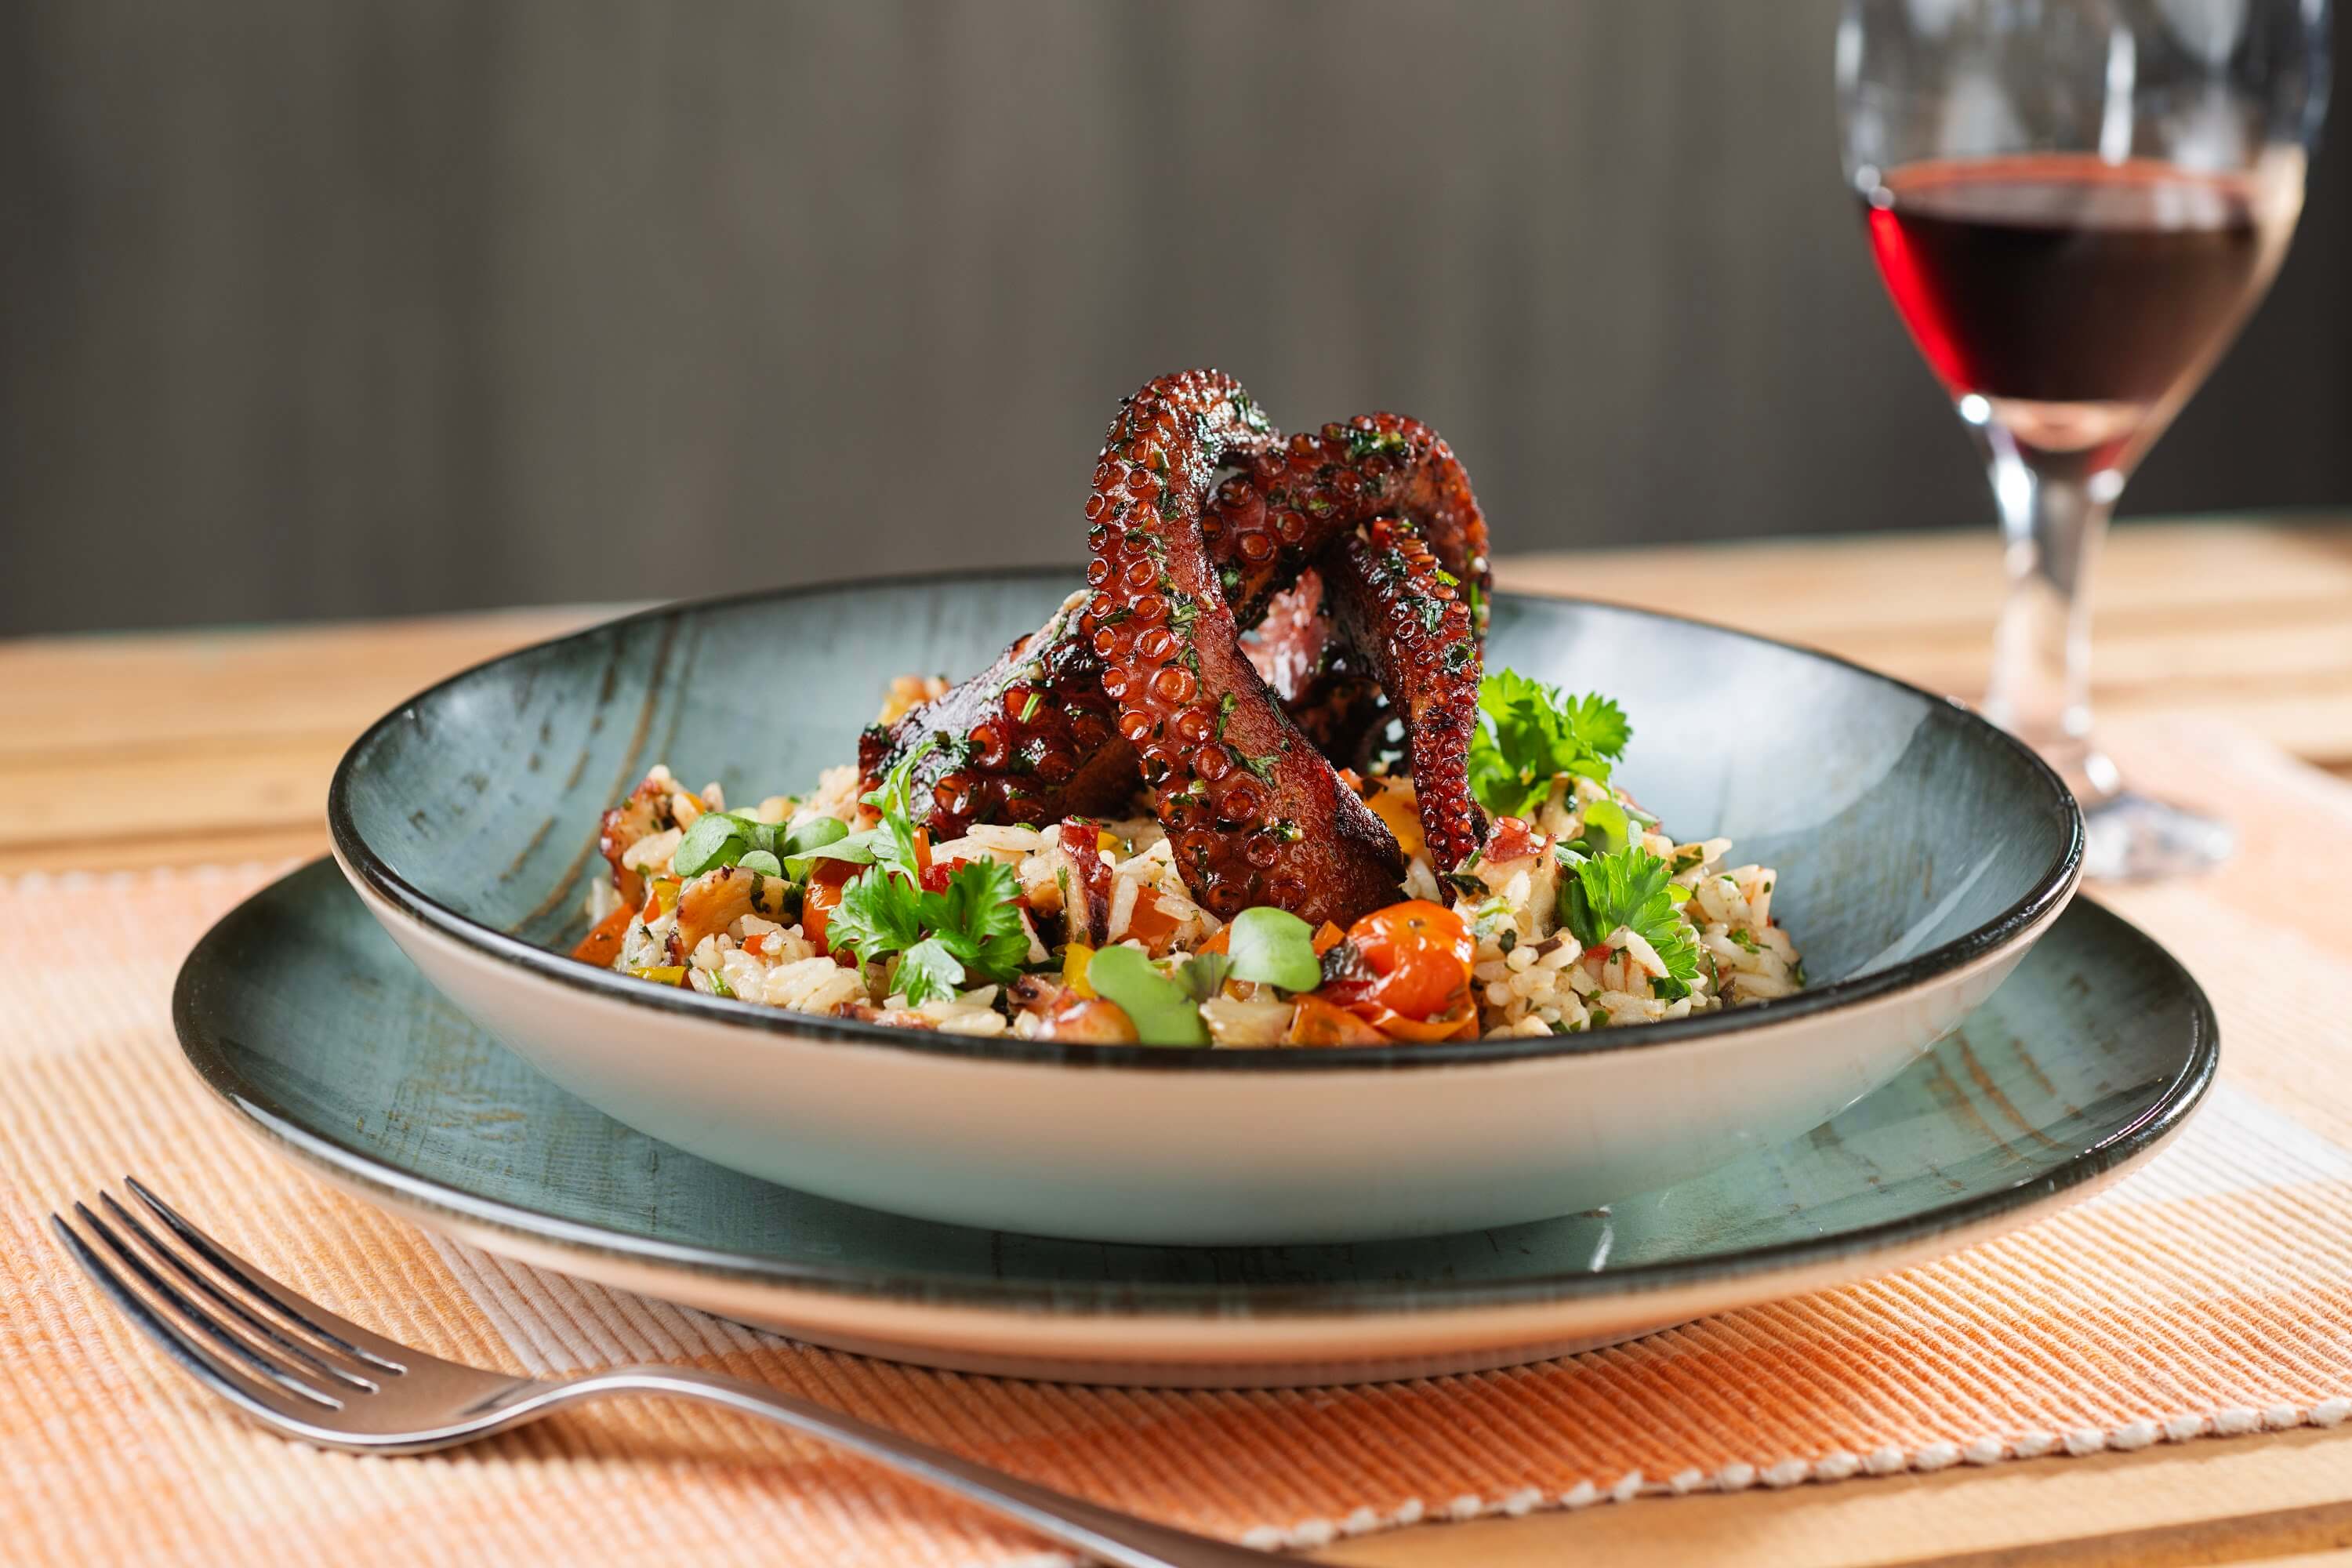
227 738
218 746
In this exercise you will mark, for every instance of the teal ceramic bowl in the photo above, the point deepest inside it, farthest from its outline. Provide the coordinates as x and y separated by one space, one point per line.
1921 852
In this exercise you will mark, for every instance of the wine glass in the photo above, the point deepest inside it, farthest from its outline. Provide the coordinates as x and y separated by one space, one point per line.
2074 205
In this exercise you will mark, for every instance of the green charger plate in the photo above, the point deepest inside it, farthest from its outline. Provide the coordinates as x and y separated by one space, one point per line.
302 1015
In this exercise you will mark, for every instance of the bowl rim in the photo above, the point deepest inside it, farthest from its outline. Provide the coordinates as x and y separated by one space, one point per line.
2163 1110
2048 893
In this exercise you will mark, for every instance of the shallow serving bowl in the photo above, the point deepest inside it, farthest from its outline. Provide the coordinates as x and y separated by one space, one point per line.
1921 853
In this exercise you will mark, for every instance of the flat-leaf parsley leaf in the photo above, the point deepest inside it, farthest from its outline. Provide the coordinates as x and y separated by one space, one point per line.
1629 889
1528 732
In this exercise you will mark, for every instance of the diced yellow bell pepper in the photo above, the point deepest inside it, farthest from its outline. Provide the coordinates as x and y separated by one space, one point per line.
662 974
1402 820
1109 843
1075 959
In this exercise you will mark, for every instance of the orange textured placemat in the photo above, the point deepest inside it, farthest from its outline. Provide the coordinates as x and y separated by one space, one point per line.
2210 1294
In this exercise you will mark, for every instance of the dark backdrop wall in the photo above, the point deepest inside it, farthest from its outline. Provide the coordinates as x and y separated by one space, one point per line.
380 306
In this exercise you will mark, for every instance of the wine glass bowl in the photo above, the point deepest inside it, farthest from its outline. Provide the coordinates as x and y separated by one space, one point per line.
2074 205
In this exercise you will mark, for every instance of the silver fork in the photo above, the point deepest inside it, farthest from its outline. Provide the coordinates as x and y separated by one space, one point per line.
300 1370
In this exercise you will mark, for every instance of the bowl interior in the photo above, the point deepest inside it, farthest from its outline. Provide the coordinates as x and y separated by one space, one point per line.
1897 822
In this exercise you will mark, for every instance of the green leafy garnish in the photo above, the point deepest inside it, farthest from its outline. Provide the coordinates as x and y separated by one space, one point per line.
970 934
878 914
1274 947
799 846
1528 733
715 839
928 970
1605 827
1158 1008
1629 889
729 838
976 920
1204 975
892 843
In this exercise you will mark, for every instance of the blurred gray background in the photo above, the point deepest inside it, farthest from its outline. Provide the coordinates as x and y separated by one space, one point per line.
314 309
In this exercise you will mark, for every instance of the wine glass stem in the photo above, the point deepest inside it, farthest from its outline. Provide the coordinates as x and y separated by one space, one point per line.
2054 516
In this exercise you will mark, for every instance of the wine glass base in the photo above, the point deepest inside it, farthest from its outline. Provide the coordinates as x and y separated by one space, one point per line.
2132 838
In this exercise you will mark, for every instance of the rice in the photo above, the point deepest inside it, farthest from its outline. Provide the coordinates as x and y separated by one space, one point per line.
1528 975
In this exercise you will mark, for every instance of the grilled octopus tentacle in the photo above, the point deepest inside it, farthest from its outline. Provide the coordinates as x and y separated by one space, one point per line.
1028 740
1287 505
1390 603
1144 675
1255 814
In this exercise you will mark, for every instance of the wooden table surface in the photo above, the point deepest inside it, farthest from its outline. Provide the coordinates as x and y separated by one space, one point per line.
216 746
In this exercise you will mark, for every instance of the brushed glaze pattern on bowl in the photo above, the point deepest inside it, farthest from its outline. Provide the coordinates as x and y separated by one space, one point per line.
1922 852
1911 836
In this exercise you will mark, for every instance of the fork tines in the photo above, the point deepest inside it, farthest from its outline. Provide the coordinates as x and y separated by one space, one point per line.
244 1334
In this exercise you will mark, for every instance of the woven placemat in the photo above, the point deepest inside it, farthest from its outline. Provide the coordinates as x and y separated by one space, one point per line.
2210 1294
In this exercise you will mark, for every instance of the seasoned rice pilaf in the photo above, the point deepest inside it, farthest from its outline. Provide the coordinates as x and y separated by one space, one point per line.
1581 912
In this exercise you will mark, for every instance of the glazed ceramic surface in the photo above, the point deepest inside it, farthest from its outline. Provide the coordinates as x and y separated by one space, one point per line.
1921 853
306 1020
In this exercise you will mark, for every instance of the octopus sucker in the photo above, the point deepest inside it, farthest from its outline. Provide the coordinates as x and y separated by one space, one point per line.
1400 611
1361 548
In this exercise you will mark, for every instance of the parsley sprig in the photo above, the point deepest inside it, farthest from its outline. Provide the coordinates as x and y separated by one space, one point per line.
966 933
1630 888
1529 732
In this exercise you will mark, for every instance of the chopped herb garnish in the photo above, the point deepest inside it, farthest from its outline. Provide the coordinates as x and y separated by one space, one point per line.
928 970
715 839
1029 708
727 838
974 929
1362 444
1528 733
1204 975
1605 826
1158 1008
1628 888
1274 947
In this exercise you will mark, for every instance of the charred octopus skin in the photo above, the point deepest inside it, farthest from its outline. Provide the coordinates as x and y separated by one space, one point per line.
1255 814
1289 502
1030 739
1143 675
1397 609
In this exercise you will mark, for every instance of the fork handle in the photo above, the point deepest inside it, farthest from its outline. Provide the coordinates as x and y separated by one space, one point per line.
1102 1534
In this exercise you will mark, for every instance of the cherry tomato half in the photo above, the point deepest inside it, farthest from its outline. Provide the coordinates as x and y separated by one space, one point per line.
823 896
1419 955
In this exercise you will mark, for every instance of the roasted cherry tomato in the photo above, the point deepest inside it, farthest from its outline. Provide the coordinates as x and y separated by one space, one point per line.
1419 956
823 896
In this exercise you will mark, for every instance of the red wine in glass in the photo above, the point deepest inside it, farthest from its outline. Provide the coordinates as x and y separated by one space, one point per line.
2079 296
